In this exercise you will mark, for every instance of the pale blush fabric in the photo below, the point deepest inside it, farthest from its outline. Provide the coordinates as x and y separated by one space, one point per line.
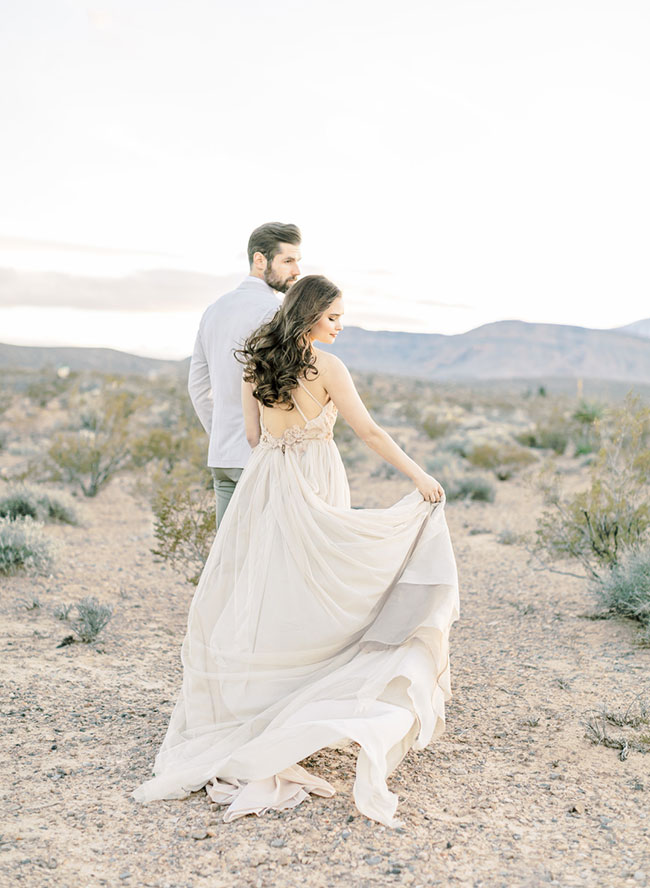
313 624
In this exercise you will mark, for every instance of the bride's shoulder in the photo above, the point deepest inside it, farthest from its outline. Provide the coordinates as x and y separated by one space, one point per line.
327 363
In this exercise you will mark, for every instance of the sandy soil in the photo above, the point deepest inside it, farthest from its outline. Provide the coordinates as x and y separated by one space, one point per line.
514 794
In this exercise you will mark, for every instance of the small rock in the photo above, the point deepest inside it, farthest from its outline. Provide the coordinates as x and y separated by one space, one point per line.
577 808
372 860
199 834
277 843
639 876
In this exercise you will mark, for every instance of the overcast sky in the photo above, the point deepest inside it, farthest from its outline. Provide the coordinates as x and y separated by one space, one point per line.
450 163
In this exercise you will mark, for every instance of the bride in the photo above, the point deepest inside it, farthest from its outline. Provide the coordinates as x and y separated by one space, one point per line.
313 624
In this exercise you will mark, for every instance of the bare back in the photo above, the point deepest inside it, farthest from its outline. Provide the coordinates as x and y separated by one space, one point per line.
309 399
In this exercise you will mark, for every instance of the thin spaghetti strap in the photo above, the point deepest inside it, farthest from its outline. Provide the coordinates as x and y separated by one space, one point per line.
313 397
297 406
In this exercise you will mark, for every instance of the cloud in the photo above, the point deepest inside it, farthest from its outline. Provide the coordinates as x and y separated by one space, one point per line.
159 290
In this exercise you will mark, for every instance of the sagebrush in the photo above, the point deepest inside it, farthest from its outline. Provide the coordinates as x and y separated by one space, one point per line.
28 501
24 547
184 526
597 525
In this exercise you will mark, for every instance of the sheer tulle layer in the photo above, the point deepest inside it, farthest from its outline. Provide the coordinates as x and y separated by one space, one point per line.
313 624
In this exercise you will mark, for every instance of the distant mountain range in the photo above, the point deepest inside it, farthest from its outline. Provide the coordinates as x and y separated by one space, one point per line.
502 350
638 328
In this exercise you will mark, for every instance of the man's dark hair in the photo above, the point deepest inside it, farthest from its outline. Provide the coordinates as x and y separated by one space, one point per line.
267 239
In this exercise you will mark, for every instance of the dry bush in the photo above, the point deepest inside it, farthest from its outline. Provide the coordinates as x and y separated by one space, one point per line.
560 429
471 487
184 525
24 547
597 525
434 427
634 722
92 454
29 501
625 590
92 618
503 459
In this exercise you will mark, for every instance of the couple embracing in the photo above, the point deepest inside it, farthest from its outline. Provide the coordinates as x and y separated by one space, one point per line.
313 624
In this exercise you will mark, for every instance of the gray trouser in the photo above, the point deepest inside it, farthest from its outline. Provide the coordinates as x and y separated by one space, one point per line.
225 481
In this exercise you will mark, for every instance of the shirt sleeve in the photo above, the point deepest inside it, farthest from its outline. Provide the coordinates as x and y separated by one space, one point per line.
198 385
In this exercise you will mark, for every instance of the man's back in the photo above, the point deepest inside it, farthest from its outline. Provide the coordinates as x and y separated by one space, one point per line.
215 375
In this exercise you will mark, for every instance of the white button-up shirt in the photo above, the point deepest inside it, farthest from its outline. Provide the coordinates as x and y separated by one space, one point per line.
215 375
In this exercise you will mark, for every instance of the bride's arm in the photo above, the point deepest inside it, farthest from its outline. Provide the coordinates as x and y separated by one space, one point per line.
251 414
341 389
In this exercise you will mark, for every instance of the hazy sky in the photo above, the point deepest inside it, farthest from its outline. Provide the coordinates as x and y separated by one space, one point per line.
450 163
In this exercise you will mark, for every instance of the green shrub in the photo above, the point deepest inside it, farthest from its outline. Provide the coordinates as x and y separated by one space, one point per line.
503 459
553 434
184 526
625 590
597 525
26 501
24 547
471 487
91 455
560 429
62 612
92 618
435 427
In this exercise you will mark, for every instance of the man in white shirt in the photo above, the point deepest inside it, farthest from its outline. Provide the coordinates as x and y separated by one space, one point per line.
215 375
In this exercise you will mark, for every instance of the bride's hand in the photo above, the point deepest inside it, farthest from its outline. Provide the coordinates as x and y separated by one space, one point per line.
430 489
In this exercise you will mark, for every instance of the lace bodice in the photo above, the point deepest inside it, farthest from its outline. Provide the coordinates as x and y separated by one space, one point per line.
321 428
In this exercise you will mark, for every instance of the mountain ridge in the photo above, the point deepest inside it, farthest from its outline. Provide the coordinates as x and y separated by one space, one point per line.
509 349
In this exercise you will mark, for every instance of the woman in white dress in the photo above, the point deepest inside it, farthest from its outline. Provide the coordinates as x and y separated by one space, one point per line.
313 624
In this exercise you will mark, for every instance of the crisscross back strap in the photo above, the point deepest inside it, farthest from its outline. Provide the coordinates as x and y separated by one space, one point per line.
297 406
313 397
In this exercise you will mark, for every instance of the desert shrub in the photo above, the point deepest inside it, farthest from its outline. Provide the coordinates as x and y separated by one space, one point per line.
26 501
158 445
435 427
62 611
167 448
446 465
585 431
625 590
92 618
91 455
561 430
184 526
503 459
597 525
552 433
48 385
24 547
471 487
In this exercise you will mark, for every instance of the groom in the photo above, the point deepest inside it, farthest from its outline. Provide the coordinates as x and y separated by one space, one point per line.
215 376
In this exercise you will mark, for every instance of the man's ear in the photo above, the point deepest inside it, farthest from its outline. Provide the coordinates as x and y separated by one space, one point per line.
259 260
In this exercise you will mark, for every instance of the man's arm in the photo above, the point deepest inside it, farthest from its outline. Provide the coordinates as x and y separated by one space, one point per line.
198 385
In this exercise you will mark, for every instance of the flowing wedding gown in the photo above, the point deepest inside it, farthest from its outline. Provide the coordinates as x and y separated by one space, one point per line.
313 624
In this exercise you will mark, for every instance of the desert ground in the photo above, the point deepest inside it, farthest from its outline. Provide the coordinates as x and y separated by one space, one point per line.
515 793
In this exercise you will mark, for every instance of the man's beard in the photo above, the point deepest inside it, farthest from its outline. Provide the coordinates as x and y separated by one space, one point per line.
275 282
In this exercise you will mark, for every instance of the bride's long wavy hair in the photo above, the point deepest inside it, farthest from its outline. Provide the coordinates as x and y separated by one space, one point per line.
279 352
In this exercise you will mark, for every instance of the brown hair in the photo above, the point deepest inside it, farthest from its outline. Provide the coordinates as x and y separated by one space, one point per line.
279 353
267 239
